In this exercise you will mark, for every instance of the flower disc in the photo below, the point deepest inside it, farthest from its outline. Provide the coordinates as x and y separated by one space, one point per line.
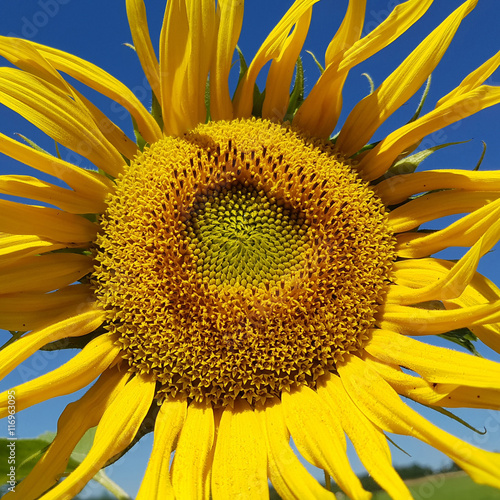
240 260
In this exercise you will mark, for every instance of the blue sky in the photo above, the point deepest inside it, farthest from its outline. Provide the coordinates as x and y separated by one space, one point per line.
97 30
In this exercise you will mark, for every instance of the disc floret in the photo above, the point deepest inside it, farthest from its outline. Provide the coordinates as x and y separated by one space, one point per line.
242 237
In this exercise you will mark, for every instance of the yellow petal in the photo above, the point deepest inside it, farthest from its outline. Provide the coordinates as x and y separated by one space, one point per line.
34 310
399 20
231 19
446 395
17 246
398 87
435 205
157 483
97 79
88 320
455 281
397 189
202 39
243 98
114 134
281 71
349 31
78 372
116 430
471 397
74 421
138 22
52 271
36 189
418 273
319 437
173 46
405 384
289 477
369 442
480 291
381 404
424 272
378 160
240 462
24 55
434 364
327 92
416 321
55 113
489 335
50 223
476 78
463 233
191 464
186 51
87 183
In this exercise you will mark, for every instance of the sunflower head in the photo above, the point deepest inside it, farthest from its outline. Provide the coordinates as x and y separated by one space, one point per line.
241 260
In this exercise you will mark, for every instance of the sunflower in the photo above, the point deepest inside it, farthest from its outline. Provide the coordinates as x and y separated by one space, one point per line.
236 275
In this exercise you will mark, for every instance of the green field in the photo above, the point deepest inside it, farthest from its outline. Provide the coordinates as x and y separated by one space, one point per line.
455 486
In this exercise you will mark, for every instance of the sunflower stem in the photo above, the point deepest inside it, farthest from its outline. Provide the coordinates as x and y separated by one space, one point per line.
111 486
328 481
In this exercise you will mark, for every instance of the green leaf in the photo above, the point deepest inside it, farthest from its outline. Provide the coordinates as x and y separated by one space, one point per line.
333 138
141 142
29 451
15 336
462 337
422 100
130 46
370 81
91 217
409 164
297 95
111 486
258 96
321 69
34 145
243 64
396 445
156 110
366 147
81 450
26 453
451 415
258 101
57 151
430 305
476 168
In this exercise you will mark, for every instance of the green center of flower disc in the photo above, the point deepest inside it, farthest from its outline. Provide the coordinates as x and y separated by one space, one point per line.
240 236
239 261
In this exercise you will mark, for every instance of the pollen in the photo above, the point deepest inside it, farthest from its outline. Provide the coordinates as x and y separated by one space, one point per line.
239 261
